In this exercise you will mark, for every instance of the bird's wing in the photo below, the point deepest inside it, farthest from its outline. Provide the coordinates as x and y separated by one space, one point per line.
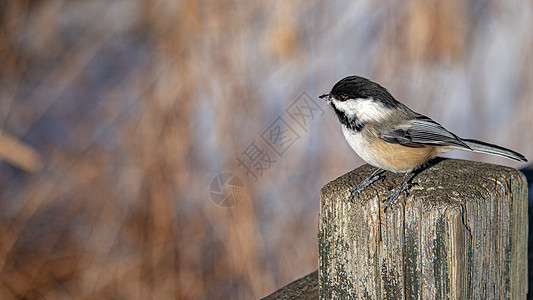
421 131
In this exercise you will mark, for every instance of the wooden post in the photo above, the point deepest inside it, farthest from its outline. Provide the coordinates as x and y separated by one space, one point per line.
305 288
461 233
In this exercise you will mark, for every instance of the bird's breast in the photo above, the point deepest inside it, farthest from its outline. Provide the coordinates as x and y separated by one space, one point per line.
384 155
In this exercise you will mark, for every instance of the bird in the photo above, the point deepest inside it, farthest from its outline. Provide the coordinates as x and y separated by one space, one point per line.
390 136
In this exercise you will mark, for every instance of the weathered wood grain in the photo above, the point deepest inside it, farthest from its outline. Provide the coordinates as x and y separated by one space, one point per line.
305 288
460 233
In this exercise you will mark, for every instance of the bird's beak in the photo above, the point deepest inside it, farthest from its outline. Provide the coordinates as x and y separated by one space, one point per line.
325 97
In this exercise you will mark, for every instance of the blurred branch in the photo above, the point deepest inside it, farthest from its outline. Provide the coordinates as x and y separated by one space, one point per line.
19 154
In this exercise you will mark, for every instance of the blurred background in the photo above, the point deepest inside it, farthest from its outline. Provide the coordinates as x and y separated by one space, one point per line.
176 149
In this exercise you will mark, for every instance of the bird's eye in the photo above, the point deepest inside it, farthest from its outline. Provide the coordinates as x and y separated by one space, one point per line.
342 97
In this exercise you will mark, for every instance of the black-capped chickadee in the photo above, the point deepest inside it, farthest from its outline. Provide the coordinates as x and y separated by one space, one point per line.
389 136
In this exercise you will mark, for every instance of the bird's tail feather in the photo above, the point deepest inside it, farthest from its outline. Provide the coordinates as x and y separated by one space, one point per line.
482 147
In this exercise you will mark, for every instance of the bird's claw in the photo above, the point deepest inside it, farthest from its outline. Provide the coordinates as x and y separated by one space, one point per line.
393 197
363 185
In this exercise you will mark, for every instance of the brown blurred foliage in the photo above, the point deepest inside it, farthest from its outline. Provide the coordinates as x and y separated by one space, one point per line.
115 116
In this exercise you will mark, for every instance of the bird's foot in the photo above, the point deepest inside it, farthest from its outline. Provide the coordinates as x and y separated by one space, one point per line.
365 183
393 197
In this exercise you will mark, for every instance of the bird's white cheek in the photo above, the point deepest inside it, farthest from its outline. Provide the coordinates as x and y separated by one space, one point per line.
366 110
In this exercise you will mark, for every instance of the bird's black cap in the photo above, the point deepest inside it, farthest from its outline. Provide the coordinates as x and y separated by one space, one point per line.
354 87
